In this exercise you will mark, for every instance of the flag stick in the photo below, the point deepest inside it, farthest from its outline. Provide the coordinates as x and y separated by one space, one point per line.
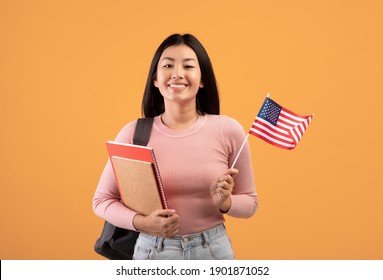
240 150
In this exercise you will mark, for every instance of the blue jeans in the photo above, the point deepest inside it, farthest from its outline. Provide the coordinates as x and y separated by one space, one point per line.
212 244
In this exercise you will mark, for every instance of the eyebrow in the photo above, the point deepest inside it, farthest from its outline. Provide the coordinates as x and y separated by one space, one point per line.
172 59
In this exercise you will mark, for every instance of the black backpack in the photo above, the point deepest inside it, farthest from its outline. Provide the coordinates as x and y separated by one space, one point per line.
117 243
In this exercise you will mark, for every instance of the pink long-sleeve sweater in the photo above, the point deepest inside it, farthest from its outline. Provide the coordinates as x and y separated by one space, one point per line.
189 160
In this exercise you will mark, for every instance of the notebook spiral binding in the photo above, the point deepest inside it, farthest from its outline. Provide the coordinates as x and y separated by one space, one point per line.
159 181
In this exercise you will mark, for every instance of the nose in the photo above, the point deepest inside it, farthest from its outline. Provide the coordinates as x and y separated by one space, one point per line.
177 73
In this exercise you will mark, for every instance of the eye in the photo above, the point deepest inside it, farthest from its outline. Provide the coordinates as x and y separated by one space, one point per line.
167 66
189 66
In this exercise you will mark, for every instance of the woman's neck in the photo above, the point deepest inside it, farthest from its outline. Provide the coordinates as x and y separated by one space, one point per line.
178 119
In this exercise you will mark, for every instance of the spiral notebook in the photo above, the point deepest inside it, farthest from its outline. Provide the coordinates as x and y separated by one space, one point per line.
138 177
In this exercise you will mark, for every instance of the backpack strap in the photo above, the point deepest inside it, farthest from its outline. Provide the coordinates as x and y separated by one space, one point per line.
142 131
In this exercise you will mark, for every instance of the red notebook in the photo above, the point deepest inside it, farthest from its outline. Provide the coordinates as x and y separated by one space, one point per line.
137 176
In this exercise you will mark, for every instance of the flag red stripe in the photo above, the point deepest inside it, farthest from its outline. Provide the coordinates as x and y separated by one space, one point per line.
289 118
294 117
289 121
283 125
294 114
271 127
272 142
301 130
294 136
261 130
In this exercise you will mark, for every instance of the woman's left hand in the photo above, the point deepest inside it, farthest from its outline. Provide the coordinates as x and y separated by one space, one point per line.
222 188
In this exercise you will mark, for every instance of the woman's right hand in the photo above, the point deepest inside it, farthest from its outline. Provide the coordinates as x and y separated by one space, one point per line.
161 223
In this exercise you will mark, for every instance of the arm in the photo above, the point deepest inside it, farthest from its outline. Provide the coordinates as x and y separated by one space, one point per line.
244 199
106 200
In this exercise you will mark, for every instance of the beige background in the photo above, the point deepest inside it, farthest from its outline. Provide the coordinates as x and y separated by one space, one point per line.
72 74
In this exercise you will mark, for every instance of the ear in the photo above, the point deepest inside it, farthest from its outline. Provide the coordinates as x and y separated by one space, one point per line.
155 82
201 85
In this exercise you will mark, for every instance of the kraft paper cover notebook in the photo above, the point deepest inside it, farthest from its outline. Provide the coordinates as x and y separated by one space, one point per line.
138 177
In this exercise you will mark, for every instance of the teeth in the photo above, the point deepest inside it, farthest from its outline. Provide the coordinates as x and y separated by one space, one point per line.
177 86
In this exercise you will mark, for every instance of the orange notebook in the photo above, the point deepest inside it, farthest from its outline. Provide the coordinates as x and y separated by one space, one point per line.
138 177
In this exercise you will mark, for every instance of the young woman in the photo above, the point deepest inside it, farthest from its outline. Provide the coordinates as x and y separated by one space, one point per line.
194 146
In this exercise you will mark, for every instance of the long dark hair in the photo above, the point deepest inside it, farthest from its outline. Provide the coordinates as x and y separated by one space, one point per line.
207 97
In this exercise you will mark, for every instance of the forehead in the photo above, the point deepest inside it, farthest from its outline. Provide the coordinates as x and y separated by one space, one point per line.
179 52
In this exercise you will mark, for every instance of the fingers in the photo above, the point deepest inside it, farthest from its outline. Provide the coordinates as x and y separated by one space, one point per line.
225 188
225 184
170 226
232 172
165 212
224 193
168 222
227 178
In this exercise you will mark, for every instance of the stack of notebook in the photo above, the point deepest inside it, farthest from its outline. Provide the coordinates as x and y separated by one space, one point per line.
138 177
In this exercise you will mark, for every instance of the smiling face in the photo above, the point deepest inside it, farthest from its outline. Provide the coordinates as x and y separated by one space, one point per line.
178 75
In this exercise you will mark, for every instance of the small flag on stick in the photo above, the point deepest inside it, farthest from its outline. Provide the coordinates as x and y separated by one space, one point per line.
278 126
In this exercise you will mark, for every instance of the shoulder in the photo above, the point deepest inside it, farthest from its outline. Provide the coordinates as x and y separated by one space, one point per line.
228 125
125 135
229 121
229 128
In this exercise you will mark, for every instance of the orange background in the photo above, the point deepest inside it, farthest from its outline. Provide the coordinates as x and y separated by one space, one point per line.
72 74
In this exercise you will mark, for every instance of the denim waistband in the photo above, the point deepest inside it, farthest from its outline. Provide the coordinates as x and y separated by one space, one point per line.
196 239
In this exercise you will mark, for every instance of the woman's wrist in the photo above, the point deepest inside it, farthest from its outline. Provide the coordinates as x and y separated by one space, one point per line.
226 205
138 222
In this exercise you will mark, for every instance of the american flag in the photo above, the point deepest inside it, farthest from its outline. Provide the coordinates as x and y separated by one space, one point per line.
279 126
